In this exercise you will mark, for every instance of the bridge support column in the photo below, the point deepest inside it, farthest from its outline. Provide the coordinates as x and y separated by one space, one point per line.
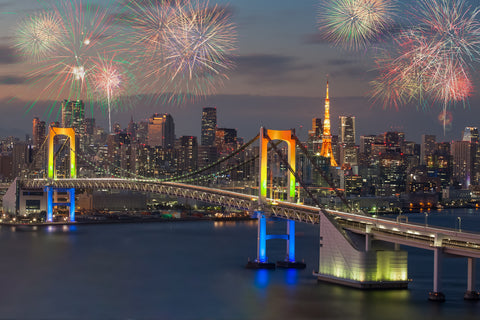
291 240
368 242
436 294
261 262
71 193
290 262
262 238
49 191
471 293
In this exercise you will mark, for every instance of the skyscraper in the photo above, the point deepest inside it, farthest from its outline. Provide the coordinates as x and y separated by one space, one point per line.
38 132
161 131
463 160
427 148
347 130
470 134
187 153
73 113
327 135
209 126
317 127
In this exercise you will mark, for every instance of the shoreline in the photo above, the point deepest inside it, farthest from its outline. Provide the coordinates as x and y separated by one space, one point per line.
115 221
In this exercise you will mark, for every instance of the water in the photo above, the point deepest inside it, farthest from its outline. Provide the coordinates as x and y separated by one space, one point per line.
195 270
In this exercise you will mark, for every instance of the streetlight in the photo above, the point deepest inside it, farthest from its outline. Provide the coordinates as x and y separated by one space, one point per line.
459 224
426 219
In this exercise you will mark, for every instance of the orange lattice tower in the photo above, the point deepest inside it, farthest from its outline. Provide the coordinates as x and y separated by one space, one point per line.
327 134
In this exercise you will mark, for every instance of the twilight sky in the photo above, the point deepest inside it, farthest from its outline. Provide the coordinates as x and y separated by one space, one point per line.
279 81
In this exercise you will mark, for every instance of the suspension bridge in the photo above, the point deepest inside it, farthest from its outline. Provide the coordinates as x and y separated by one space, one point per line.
356 249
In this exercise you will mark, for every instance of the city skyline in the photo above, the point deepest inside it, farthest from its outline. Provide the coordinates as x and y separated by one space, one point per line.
272 78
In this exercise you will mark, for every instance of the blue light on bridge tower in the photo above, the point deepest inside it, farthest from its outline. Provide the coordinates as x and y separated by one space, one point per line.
71 193
262 261
291 240
51 204
49 191
262 238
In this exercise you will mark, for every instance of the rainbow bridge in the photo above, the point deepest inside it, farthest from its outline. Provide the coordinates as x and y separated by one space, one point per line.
348 239
356 249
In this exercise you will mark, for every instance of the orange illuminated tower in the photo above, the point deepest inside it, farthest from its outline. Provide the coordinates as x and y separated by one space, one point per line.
327 134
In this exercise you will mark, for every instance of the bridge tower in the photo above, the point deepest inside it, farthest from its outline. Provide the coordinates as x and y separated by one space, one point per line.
262 261
70 133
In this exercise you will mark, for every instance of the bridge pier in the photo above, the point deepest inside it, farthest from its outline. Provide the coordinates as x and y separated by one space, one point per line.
261 262
49 191
51 204
471 293
436 294
290 261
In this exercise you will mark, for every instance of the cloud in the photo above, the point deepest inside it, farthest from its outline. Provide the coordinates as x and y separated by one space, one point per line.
10 79
7 55
353 72
314 38
268 67
339 62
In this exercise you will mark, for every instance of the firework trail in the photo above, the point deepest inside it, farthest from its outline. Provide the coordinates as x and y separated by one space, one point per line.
354 24
187 46
111 80
435 57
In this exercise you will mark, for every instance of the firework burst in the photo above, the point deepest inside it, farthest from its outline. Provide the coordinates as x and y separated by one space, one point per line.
39 35
435 58
112 80
65 63
187 46
354 24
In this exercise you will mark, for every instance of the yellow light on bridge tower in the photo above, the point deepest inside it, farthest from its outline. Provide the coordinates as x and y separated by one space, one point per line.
70 133
283 135
326 150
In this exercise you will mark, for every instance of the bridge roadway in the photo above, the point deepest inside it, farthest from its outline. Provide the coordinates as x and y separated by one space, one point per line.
454 242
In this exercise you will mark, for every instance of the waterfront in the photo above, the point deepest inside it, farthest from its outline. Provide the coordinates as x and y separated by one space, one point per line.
195 270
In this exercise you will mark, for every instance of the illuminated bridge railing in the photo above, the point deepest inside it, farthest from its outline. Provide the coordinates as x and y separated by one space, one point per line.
209 195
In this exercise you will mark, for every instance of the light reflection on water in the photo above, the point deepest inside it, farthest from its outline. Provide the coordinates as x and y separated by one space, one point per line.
156 270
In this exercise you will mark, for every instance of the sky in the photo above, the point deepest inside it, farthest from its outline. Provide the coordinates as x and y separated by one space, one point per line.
282 65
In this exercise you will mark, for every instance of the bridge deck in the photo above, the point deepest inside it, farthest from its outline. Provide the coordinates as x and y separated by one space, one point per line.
411 234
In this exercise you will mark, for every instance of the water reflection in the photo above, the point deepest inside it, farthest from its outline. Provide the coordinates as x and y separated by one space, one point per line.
291 276
261 278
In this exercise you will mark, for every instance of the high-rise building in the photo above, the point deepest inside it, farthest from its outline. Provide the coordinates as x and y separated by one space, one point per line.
315 136
366 144
462 160
225 140
327 134
38 133
142 132
209 126
470 134
161 131
317 127
73 113
187 153
427 148
348 150
132 129
347 130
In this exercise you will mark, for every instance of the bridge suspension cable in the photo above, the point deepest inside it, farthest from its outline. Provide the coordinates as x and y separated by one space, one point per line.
325 177
237 151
